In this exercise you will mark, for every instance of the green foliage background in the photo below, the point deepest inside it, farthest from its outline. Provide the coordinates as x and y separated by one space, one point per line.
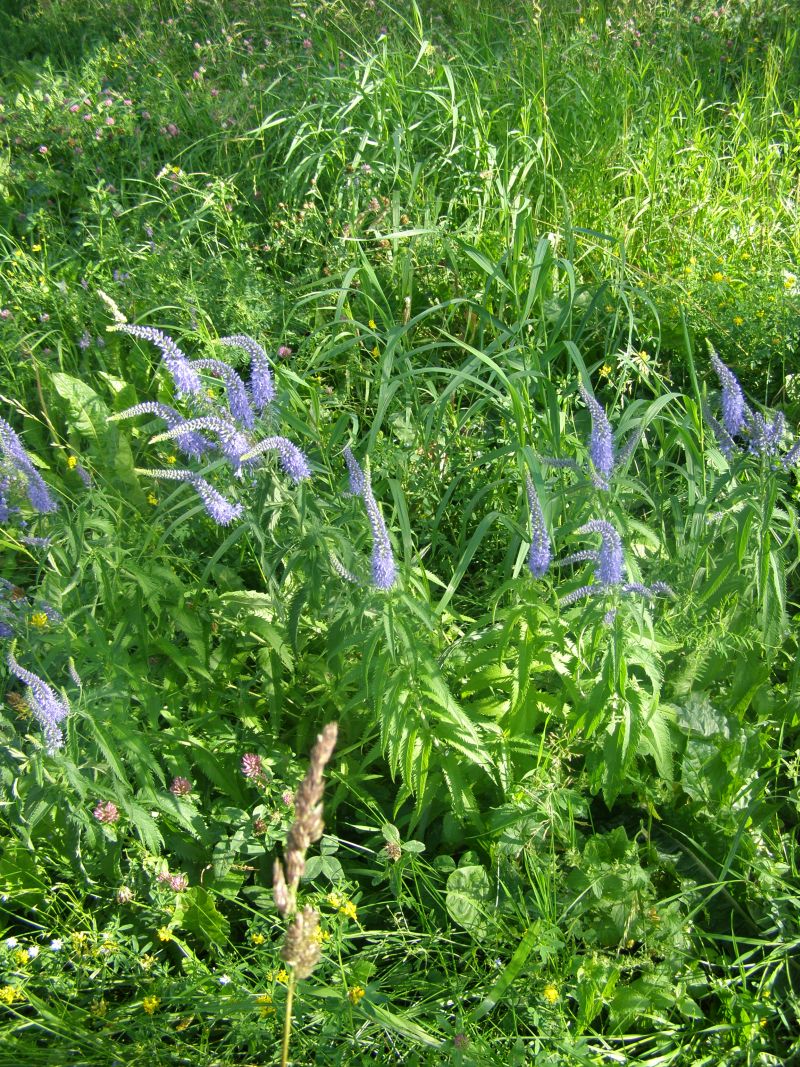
549 840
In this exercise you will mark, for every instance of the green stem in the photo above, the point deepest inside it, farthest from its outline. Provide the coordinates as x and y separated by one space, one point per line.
287 1022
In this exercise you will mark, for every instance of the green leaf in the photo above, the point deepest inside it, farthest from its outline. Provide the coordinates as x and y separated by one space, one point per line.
509 973
469 899
197 913
88 412
19 876
657 742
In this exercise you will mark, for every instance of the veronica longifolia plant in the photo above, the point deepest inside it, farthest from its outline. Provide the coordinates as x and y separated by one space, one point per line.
16 466
232 427
540 554
604 459
48 708
757 434
609 570
384 571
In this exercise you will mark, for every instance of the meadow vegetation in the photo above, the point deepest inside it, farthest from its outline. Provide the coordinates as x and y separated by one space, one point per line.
433 371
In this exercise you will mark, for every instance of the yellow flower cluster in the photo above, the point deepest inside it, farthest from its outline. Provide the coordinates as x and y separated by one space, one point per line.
355 993
550 993
8 994
343 905
150 1004
265 1004
39 620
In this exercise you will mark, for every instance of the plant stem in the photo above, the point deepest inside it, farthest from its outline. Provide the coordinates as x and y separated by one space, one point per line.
287 1022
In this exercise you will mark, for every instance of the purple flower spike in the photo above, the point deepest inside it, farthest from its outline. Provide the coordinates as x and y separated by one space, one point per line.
186 379
610 568
238 402
262 386
734 408
383 568
727 445
38 493
579 594
541 553
233 442
193 444
358 480
601 442
291 458
49 709
792 455
765 437
220 509
384 572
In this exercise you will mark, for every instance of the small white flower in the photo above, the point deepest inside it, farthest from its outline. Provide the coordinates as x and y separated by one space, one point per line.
11 942
33 952
56 944
224 979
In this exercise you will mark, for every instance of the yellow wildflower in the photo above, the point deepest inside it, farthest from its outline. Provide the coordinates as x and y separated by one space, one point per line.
39 620
21 957
348 909
282 976
8 994
210 393
257 939
265 1003
738 320
372 325
172 459
334 900
184 1024
72 462
644 356
355 993
152 499
717 276
550 993
150 1004
146 961
320 936
376 351
164 933
606 370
